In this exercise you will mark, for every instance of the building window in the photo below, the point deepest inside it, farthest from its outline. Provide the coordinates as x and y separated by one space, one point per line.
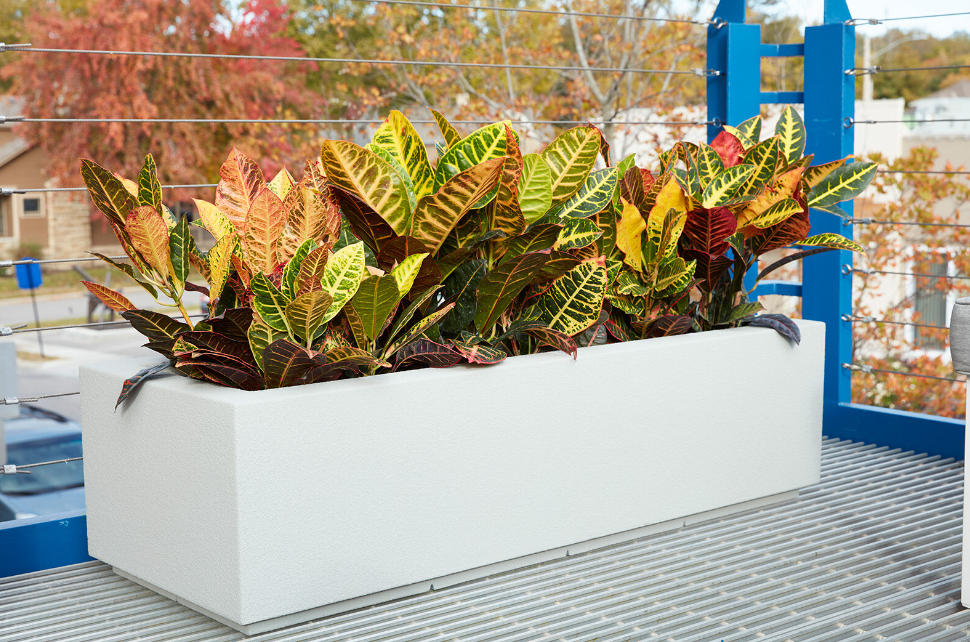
31 207
930 302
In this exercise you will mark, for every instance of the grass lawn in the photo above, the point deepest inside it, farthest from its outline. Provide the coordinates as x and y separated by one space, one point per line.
57 281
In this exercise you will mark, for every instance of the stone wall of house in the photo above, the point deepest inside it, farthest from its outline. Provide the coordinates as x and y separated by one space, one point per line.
70 226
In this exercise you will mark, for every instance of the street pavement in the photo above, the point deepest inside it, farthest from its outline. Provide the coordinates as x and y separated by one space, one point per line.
65 350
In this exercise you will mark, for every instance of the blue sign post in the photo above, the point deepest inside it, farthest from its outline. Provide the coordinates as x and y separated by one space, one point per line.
30 278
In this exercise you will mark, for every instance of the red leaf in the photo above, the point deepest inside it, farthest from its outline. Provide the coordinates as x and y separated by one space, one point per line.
729 148
707 230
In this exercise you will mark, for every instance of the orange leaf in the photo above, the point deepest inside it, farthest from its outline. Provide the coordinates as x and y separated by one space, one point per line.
310 215
114 300
261 233
240 181
149 236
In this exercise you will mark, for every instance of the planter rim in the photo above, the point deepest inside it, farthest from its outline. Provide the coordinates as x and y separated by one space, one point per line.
238 397
962 301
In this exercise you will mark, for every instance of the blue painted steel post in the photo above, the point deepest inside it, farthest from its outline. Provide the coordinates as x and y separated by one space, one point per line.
733 49
829 100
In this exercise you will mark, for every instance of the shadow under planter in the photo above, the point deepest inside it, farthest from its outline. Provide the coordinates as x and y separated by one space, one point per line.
266 509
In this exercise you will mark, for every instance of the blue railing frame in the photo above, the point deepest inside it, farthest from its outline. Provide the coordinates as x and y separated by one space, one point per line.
735 48
735 95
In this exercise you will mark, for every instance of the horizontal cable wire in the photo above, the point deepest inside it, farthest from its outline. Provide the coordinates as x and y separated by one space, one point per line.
370 61
872 221
868 319
846 269
45 261
327 121
855 22
579 14
851 122
871 71
867 369
21 329
10 469
13 401
6 191
921 171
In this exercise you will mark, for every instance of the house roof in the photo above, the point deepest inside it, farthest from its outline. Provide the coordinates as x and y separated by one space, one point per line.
960 89
12 106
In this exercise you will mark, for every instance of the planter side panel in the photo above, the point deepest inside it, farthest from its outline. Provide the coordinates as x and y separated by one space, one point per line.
419 476
160 478
259 505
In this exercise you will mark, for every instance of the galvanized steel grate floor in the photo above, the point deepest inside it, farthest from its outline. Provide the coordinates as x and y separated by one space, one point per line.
871 553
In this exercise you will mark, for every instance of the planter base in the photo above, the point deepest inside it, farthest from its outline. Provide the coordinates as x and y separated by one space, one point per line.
466 576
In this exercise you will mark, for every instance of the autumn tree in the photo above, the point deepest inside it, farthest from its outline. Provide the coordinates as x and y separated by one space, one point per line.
940 246
478 34
99 86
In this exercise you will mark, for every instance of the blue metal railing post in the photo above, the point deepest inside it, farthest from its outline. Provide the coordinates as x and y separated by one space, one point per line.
733 96
826 288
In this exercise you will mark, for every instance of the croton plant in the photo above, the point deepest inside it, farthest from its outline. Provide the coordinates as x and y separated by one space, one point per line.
377 261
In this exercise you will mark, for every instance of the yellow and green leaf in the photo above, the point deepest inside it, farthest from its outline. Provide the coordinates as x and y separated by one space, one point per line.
573 302
270 303
482 145
149 189
777 213
305 314
841 184
260 336
751 129
726 185
535 188
746 142
406 271
213 220
374 301
397 137
814 174
595 194
791 135
452 137
832 240
576 233
107 192
281 184
764 157
342 275
571 157
709 164
369 178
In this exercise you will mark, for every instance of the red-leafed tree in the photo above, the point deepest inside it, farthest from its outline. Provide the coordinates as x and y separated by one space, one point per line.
100 86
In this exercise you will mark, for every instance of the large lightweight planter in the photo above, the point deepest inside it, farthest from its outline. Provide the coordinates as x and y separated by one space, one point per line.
270 508
960 335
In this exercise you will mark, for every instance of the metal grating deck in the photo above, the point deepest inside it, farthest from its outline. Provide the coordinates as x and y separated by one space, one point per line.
871 553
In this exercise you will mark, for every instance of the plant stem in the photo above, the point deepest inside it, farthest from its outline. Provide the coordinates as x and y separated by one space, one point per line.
185 315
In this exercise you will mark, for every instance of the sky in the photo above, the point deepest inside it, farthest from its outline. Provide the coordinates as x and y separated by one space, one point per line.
811 12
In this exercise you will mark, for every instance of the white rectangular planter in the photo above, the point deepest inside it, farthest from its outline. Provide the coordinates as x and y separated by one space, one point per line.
270 508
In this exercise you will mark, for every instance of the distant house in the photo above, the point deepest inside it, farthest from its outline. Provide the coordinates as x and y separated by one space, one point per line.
58 223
